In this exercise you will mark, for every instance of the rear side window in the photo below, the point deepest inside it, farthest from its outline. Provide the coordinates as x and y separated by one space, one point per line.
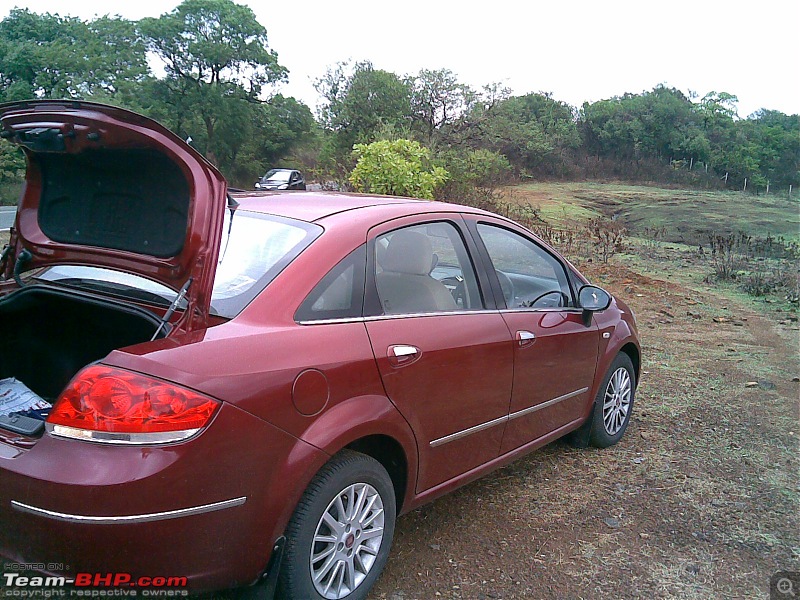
424 269
340 294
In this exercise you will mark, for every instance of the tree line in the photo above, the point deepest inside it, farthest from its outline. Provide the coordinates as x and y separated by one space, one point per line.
218 88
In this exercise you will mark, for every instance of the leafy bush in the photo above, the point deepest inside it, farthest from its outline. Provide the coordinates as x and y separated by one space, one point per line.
397 168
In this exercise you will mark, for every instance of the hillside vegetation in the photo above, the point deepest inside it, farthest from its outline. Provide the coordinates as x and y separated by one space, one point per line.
218 80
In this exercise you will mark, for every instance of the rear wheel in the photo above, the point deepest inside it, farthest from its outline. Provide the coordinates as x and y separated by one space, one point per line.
339 537
614 403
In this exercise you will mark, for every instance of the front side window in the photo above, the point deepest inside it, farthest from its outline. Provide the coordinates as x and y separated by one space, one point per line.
529 276
423 269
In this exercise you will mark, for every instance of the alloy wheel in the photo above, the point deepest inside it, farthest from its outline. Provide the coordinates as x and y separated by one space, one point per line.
347 540
617 401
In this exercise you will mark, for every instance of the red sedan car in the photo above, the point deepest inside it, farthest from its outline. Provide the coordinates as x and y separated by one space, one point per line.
224 388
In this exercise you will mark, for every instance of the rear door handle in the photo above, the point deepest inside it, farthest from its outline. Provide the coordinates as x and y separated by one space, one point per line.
401 355
525 338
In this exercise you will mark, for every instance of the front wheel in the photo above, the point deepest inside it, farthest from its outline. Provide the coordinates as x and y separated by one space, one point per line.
614 403
339 537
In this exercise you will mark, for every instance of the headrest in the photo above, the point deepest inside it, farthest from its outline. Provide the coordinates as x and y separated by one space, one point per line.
408 252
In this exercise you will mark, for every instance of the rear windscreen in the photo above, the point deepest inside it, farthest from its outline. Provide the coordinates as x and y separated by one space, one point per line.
133 200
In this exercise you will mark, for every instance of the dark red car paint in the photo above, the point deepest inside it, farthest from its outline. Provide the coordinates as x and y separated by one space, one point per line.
293 395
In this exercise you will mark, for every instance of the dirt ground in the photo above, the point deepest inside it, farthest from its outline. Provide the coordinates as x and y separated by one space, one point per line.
699 499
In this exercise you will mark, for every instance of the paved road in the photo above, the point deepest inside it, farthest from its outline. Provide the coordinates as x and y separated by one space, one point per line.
7 216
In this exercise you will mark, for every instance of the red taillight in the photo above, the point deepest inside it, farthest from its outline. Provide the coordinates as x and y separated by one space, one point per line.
115 401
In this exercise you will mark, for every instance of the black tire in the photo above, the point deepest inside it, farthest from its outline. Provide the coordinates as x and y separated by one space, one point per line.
344 472
607 425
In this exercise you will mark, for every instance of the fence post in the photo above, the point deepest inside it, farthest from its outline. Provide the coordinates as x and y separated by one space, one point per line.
790 191
767 187
745 185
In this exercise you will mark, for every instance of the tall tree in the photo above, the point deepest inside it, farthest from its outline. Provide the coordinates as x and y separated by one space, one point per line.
216 56
49 56
438 99
358 103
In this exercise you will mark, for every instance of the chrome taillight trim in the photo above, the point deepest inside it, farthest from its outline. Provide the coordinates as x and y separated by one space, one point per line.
129 439
144 518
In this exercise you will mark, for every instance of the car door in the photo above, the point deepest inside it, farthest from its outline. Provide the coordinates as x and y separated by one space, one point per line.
443 350
555 353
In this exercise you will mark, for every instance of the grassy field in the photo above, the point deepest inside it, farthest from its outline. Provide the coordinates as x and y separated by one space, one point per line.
686 215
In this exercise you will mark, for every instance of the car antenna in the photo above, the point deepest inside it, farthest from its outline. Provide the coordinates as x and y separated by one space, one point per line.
232 206
167 315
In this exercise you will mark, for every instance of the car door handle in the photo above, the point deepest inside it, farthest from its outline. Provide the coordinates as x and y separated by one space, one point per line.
401 355
525 338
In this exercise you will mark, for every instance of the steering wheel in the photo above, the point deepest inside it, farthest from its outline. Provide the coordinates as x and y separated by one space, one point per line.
563 298
507 286
458 290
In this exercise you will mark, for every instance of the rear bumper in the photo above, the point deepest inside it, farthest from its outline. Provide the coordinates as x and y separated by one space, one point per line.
209 509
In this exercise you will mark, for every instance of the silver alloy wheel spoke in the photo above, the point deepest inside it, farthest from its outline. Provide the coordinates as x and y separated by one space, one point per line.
347 541
617 401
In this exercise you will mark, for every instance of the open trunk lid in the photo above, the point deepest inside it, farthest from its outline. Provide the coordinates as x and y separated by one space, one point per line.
107 187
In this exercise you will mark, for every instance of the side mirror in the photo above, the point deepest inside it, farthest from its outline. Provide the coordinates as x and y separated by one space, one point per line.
592 299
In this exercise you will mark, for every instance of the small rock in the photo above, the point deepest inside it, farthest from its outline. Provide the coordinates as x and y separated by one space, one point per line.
721 319
644 536
795 379
612 522
435 546
751 384
645 435
638 460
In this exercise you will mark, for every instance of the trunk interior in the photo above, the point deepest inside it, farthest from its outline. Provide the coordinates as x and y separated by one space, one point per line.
48 335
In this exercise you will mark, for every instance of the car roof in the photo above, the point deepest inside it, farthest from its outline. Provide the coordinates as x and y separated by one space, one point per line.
315 206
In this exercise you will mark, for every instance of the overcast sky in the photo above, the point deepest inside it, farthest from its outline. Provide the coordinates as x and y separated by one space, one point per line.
578 50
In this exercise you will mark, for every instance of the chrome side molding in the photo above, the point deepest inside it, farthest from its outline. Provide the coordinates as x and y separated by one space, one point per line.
112 520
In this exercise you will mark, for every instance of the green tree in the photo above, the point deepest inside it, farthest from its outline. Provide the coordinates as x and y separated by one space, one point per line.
48 56
275 130
475 176
397 168
438 100
777 139
534 131
216 58
357 104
